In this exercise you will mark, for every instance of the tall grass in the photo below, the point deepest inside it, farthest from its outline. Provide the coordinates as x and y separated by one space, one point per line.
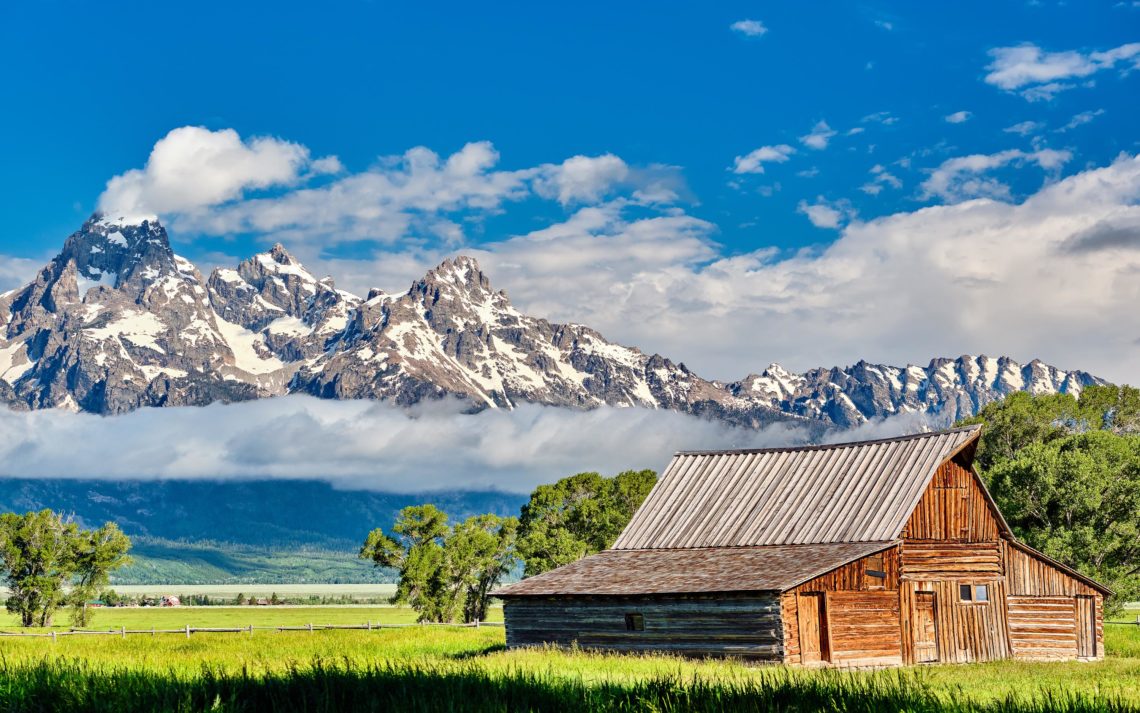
422 669
423 688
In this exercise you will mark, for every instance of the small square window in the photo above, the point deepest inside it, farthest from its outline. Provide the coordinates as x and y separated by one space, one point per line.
981 593
966 592
634 622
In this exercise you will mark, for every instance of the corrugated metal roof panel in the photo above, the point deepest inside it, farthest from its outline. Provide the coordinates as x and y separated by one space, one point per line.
847 492
692 571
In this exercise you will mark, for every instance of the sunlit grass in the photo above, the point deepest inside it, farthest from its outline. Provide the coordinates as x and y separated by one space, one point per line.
440 668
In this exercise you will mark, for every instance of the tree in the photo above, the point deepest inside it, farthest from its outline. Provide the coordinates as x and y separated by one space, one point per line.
477 554
1021 419
96 553
42 554
417 553
239 599
1064 472
577 516
1077 499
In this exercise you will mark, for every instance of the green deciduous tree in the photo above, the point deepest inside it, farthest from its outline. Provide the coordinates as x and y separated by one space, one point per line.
578 516
445 572
1065 472
478 553
97 553
43 554
1077 499
416 552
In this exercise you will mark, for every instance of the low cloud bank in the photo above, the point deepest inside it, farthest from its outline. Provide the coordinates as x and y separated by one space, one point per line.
370 445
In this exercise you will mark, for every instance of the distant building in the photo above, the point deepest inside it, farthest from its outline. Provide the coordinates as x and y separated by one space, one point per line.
169 600
870 553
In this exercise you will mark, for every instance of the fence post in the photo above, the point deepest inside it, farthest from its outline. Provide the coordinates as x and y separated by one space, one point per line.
476 623
187 631
310 627
368 624
251 630
123 630
53 637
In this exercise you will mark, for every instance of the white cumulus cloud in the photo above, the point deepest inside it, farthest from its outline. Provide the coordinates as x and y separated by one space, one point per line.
1040 75
819 136
749 28
826 214
964 177
753 161
193 167
958 117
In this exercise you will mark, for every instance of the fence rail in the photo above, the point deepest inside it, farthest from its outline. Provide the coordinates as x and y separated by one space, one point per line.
187 631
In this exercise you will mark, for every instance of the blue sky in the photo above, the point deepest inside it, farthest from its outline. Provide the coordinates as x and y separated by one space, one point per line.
723 142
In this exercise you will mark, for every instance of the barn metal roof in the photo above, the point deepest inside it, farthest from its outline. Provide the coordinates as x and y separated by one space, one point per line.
846 492
692 571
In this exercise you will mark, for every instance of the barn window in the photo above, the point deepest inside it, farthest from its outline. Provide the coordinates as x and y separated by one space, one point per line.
635 622
979 593
875 570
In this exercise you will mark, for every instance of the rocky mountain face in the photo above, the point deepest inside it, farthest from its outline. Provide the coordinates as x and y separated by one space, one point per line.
117 321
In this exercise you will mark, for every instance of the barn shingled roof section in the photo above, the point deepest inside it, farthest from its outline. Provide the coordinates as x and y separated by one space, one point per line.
840 493
693 571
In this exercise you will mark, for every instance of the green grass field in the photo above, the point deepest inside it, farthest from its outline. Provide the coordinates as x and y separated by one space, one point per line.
451 668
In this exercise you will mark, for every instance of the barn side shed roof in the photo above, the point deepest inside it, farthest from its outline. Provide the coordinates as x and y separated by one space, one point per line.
847 492
692 571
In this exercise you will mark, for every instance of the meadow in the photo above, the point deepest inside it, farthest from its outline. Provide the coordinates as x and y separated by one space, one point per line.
430 668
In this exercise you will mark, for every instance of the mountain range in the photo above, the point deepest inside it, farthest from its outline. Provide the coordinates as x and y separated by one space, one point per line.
118 322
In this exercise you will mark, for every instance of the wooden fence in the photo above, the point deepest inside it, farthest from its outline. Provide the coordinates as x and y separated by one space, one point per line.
188 630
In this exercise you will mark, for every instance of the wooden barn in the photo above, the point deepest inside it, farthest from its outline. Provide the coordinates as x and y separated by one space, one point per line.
858 554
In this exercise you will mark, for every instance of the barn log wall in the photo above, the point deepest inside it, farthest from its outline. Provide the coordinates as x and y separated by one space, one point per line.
963 562
1043 628
791 622
744 626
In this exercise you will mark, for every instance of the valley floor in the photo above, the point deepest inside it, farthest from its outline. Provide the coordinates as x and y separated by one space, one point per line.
453 668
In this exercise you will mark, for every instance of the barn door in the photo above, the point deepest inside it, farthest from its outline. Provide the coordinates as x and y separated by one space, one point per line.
814 646
1086 627
925 628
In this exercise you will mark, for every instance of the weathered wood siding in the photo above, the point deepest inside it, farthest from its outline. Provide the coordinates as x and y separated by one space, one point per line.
1043 628
853 576
745 626
864 628
1050 610
953 507
965 631
964 562
1030 575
